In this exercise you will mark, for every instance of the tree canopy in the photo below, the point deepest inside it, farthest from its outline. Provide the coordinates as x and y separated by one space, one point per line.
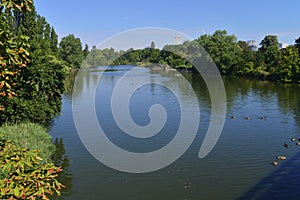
31 72
71 51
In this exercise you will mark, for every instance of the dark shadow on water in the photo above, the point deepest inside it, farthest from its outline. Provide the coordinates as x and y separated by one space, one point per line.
284 183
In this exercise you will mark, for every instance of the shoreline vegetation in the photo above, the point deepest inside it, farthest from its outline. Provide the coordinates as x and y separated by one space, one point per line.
27 170
32 71
31 136
231 56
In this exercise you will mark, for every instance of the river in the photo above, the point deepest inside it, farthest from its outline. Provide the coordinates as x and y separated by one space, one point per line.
238 167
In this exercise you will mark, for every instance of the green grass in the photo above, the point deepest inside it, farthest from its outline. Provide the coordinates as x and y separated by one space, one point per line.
29 135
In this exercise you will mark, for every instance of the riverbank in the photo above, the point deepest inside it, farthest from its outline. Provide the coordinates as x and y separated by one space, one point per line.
262 76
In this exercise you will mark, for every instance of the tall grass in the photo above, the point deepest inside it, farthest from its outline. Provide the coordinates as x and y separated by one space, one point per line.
29 135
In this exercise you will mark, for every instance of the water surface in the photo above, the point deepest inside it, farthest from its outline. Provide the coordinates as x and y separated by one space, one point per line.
239 166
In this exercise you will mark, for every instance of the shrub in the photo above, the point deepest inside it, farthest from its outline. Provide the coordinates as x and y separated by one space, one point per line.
24 175
29 135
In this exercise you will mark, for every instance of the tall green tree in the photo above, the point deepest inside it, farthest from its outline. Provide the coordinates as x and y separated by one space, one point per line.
297 44
269 41
39 84
13 49
222 48
271 52
152 45
86 51
54 42
71 51
47 36
288 69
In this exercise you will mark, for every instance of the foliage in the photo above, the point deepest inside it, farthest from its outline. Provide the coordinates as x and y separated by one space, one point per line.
13 49
29 135
223 49
152 46
39 92
269 41
23 175
39 84
232 57
297 44
243 45
97 57
22 6
288 69
31 81
39 100
270 50
86 51
71 51
54 42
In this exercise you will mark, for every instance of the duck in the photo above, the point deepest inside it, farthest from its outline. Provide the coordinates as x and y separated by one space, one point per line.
263 117
275 163
233 117
293 139
281 157
248 118
188 185
298 143
287 146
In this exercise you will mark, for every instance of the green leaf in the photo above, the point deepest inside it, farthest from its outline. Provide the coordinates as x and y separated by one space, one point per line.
17 192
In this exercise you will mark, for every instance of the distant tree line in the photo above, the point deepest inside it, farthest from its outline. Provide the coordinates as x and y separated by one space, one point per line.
231 56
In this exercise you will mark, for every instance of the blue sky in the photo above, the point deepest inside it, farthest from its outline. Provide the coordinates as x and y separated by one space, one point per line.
95 20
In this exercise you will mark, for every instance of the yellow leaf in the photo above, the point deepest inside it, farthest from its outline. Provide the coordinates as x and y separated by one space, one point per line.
1 84
10 95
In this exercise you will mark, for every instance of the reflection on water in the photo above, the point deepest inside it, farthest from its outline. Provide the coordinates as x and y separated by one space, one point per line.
69 83
60 159
286 96
239 164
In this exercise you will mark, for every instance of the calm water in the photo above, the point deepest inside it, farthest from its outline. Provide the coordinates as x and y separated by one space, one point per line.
239 166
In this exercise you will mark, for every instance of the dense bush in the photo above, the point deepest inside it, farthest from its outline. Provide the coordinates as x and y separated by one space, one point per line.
24 175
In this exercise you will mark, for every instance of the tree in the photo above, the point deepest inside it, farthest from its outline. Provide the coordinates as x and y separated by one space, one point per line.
71 51
288 69
152 45
38 84
54 42
13 49
222 48
154 56
86 51
271 52
297 45
243 45
269 41
47 36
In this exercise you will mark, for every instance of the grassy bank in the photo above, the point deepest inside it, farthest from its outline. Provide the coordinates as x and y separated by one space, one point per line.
29 135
